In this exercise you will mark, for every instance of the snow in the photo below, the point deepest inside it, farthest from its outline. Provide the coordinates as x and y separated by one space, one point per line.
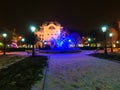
78 71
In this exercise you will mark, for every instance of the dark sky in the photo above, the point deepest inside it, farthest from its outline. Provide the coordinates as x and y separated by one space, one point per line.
79 15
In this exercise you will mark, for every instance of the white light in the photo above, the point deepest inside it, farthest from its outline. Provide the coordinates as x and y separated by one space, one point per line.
31 46
69 40
4 35
22 39
110 34
45 42
104 29
89 39
8 45
80 45
117 41
33 28
72 45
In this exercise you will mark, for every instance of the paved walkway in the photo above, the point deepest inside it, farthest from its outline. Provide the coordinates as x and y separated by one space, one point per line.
78 71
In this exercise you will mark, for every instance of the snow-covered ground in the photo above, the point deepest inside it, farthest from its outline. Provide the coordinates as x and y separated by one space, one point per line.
16 53
78 71
11 58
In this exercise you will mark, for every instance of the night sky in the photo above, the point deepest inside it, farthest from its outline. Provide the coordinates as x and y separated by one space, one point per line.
80 16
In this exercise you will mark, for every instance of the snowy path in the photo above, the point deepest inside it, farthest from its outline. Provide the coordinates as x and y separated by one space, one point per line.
78 71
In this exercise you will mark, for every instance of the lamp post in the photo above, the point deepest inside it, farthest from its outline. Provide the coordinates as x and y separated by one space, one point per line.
4 41
111 34
104 29
89 40
117 44
22 40
33 28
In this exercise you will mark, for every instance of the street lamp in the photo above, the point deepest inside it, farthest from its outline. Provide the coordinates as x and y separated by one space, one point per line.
111 34
33 28
22 40
4 35
89 40
104 29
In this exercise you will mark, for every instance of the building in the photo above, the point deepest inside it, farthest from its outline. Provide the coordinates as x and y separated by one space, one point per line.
47 34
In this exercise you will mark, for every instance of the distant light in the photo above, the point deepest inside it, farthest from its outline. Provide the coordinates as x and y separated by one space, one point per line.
33 28
45 42
4 35
31 46
69 40
104 28
88 44
110 34
117 41
80 45
8 45
72 45
114 45
22 39
14 45
89 39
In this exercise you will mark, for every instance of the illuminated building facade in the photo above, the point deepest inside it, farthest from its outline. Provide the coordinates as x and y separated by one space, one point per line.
47 33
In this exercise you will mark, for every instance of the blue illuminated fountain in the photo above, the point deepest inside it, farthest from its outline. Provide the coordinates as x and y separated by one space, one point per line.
65 44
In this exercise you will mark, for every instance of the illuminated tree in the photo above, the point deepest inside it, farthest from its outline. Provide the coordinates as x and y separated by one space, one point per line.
76 38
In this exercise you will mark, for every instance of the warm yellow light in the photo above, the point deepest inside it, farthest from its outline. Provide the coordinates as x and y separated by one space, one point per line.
117 41
20 37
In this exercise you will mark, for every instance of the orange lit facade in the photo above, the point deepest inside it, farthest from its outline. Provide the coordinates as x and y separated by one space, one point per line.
115 34
48 31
